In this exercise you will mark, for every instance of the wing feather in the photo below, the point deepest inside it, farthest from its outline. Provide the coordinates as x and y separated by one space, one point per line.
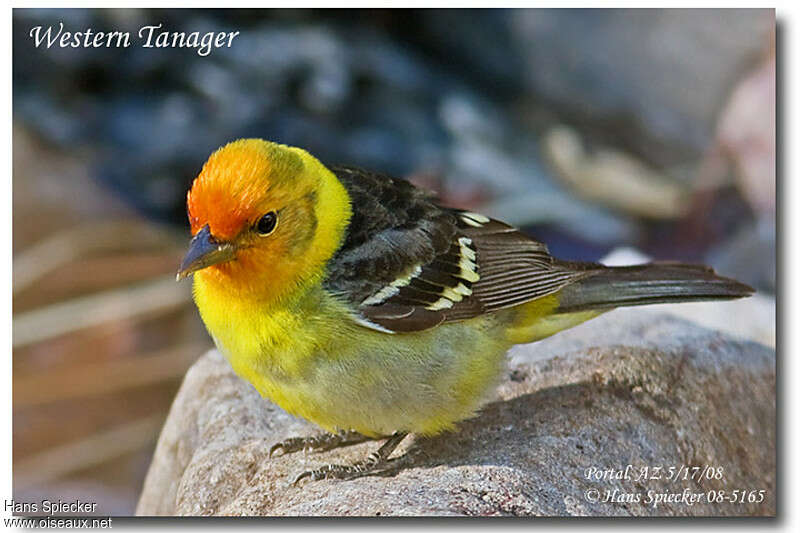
408 264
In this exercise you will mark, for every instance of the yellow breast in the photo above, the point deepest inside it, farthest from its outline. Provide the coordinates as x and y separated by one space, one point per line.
315 362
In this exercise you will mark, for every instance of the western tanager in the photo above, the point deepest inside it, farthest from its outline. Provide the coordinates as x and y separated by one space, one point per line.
355 301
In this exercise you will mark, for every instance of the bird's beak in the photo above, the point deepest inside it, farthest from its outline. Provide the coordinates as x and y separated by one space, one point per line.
204 251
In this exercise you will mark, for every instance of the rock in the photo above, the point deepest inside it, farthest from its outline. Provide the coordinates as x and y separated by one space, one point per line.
634 387
659 76
735 255
746 134
614 178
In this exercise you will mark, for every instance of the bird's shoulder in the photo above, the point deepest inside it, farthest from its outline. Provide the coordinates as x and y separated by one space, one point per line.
380 202
407 263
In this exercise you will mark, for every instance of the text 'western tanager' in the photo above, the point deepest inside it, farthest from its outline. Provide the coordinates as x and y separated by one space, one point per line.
355 301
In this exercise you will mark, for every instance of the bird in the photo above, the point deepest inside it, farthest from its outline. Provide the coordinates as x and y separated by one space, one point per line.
358 302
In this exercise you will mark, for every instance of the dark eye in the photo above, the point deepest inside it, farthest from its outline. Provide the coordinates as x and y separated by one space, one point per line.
267 223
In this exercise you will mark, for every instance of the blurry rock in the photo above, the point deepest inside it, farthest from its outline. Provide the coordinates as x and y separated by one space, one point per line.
625 256
575 216
613 178
477 45
746 135
637 388
474 161
654 79
50 121
523 193
750 255
50 185
125 19
391 64
466 118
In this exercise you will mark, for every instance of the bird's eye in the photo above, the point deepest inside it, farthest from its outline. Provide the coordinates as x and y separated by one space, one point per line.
267 223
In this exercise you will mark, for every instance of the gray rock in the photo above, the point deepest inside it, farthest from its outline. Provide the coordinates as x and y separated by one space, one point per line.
670 70
630 388
735 255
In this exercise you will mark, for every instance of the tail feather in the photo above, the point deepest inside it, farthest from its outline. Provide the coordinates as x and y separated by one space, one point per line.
653 283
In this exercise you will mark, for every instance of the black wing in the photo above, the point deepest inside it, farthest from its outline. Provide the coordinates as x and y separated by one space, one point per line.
408 264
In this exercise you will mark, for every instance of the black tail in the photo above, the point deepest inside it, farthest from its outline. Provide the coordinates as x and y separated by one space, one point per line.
653 283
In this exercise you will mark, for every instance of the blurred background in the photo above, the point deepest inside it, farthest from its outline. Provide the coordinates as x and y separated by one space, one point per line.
637 132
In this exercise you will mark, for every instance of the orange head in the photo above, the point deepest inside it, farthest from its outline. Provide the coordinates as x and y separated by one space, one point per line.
265 218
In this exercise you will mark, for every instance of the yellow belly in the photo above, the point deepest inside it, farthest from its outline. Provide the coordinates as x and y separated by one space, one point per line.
317 363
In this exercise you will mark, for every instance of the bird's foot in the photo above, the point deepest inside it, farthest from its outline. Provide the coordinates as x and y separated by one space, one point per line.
319 443
377 462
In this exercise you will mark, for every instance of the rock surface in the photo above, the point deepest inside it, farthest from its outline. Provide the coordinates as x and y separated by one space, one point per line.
634 387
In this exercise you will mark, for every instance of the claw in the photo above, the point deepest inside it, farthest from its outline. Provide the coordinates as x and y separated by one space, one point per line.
376 462
290 445
324 442
276 447
307 473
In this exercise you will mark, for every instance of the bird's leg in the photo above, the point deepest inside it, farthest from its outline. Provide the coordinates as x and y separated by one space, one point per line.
319 443
377 461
